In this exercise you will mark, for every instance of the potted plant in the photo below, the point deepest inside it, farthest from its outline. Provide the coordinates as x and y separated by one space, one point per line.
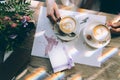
15 24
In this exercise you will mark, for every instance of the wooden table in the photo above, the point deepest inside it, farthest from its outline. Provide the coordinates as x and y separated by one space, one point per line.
110 69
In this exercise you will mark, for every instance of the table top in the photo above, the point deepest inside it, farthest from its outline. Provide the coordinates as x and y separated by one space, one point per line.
109 70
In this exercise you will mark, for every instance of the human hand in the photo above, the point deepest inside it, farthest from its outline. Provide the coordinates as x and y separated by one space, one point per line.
52 10
115 24
116 27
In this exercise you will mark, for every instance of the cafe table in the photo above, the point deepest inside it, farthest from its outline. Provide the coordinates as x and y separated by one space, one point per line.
109 70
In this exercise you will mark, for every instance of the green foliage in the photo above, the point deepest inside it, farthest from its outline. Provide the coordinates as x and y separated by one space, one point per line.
15 6
15 23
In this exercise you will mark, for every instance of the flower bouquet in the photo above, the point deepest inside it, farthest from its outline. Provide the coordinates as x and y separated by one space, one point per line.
15 24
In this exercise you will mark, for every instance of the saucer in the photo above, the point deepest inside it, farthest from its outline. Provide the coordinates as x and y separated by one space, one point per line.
93 43
64 37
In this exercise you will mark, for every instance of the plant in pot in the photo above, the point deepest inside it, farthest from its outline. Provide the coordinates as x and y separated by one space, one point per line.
15 24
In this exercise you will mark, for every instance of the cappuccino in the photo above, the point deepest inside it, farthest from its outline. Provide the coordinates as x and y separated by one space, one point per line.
67 24
100 32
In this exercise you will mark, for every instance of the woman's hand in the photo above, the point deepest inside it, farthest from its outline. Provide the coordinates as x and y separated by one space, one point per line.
52 10
115 24
116 27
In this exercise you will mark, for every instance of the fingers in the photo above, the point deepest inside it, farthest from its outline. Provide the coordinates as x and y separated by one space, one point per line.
115 30
116 19
115 25
53 13
51 19
57 14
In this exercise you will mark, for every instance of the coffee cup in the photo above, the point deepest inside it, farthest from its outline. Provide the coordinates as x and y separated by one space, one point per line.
67 24
101 32
98 32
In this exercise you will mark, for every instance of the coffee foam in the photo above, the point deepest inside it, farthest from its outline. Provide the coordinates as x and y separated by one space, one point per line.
100 32
67 25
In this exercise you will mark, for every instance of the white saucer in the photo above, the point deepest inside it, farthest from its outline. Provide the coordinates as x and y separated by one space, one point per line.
65 37
93 43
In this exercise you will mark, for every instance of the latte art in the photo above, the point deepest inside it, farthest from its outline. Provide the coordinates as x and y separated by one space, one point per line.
97 34
67 25
100 32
